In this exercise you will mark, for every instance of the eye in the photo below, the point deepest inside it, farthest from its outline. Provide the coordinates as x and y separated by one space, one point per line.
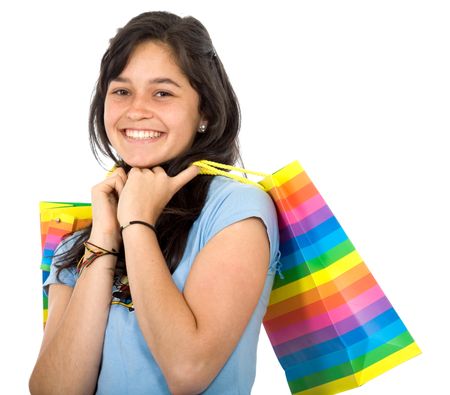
163 94
120 92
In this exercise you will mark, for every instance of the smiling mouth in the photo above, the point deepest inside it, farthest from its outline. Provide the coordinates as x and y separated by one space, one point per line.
138 134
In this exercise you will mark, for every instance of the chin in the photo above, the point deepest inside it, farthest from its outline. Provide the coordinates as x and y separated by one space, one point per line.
141 163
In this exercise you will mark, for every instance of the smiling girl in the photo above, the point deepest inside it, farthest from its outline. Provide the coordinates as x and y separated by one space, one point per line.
166 290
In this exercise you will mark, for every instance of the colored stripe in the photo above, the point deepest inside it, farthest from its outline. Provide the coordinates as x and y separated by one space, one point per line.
343 341
295 261
82 223
297 198
46 261
368 373
314 265
53 239
45 267
309 238
345 352
60 227
290 187
328 333
356 365
47 258
44 205
43 238
45 316
282 176
387 363
305 225
289 215
62 231
48 253
322 321
319 247
45 276
315 294
316 279
322 305
50 246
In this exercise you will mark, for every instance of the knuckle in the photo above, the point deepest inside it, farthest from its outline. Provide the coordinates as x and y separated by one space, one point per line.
134 170
119 171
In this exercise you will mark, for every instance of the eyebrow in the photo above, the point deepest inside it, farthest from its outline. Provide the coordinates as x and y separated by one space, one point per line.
158 80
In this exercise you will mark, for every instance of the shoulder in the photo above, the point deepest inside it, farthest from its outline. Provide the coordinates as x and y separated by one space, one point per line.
229 201
227 191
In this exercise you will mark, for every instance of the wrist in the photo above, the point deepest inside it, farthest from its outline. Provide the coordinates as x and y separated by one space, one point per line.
150 219
137 223
104 265
108 241
94 252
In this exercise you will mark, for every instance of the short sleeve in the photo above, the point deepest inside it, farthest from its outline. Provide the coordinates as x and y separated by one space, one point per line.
231 201
67 276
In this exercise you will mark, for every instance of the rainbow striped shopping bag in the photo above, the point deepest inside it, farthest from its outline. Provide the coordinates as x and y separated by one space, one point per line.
330 324
57 220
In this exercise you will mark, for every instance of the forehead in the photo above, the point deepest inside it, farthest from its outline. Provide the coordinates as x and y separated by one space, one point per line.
150 55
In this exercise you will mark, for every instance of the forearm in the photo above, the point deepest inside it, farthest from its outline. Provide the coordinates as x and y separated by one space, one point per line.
166 321
69 362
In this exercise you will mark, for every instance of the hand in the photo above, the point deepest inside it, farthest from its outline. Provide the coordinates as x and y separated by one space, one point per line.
105 195
147 192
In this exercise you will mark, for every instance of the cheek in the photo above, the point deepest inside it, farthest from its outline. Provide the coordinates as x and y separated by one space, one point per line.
107 110
110 115
109 127
106 113
189 118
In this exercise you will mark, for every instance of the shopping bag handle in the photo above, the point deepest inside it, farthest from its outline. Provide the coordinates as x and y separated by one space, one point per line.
211 168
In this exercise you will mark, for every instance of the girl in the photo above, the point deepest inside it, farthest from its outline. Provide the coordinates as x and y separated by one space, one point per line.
178 309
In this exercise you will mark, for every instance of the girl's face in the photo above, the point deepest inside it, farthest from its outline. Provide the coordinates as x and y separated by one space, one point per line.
151 110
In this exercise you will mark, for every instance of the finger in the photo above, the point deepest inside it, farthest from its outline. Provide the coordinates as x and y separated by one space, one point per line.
116 181
119 185
135 170
114 170
158 170
111 171
184 176
122 175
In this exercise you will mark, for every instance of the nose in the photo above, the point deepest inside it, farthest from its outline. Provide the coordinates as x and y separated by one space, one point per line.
139 109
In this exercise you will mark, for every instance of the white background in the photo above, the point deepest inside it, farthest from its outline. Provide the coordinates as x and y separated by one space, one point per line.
358 91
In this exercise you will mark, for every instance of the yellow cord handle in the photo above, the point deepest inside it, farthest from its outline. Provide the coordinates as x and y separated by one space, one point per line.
211 168
218 169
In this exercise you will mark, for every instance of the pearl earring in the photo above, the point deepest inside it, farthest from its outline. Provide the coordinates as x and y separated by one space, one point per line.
202 128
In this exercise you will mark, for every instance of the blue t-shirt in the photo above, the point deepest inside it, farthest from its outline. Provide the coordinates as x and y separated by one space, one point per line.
128 366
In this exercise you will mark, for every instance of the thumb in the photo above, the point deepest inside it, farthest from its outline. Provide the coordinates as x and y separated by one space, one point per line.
184 176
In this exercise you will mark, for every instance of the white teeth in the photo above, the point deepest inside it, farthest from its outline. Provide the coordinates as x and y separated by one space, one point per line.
142 134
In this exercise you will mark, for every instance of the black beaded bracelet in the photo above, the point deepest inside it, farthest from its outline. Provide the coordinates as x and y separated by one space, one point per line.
152 227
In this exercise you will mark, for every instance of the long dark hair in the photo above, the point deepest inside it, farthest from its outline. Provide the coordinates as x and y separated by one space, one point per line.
195 55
